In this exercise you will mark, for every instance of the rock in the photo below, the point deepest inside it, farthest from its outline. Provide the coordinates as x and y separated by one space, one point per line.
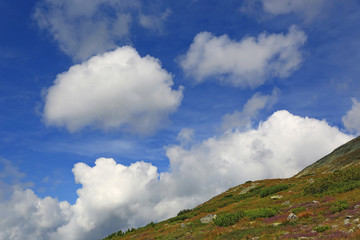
183 225
351 230
357 207
356 221
346 221
275 197
358 226
292 217
208 219
276 224
245 190
348 216
286 203
315 202
334 226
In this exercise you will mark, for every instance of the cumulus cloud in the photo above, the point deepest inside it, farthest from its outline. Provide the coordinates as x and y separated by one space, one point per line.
352 118
116 89
248 62
86 28
113 196
251 109
26 216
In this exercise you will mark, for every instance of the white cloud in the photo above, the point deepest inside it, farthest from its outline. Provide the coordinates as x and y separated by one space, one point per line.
308 8
185 136
352 118
243 119
116 89
249 62
26 216
81 28
86 28
113 196
154 22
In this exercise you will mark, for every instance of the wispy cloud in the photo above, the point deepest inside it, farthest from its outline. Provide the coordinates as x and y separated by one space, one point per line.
243 119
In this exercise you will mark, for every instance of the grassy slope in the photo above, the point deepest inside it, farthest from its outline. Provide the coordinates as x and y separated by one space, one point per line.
322 201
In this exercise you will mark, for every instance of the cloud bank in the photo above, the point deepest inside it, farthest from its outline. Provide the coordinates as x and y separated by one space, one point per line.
248 62
113 196
118 89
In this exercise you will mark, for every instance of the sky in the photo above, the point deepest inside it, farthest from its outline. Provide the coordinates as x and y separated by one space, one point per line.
116 113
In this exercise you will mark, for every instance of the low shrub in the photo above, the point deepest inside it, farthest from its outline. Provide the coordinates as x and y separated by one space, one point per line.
337 182
339 206
321 229
182 212
298 209
273 189
228 219
260 213
151 224
179 218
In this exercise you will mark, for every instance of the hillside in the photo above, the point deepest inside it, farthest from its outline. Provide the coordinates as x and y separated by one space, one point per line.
322 201
342 157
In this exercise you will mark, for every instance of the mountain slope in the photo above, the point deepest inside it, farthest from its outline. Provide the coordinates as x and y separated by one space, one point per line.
342 157
322 201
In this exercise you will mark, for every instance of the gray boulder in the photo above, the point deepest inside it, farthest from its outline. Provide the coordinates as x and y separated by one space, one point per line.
208 219
292 217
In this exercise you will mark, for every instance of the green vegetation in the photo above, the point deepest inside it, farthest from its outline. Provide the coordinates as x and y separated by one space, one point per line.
228 219
245 233
298 209
273 189
339 206
182 212
151 224
260 213
337 182
321 229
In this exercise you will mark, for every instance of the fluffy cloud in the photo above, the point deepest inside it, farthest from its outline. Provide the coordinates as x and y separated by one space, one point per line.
26 216
113 196
116 89
249 62
243 119
352 118
83 29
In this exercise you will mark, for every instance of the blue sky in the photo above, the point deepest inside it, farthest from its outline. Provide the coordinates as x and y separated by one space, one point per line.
173 101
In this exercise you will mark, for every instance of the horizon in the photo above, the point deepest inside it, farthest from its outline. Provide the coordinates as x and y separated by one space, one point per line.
119 113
